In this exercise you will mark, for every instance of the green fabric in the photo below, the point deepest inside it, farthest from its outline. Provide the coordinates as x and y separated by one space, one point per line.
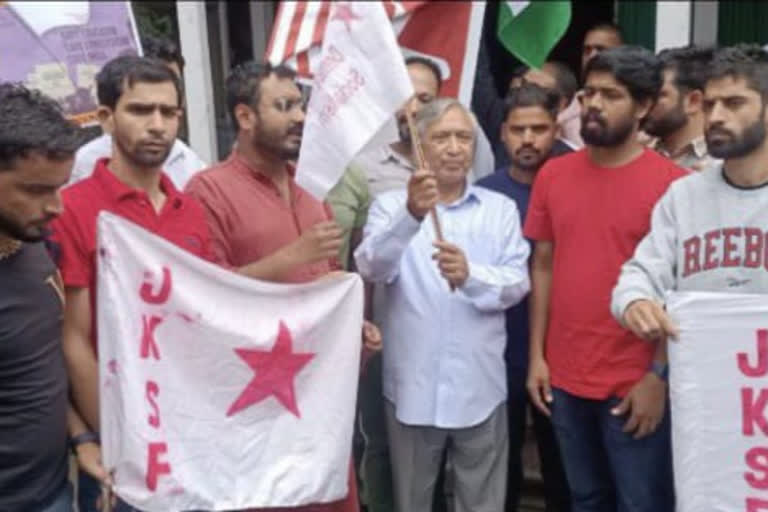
638 23
350 200
741 22
535 30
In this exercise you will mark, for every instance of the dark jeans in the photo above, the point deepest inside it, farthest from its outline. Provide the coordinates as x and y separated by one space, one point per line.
375 468
63 502
608 470
556 493
88 492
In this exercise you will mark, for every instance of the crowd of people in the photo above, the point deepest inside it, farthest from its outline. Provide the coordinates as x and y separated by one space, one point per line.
541 299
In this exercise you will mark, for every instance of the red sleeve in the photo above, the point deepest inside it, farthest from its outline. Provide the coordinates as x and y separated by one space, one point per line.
538 222
217 246
73 256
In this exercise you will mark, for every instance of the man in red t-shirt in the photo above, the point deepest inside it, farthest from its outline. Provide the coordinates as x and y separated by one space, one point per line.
604 387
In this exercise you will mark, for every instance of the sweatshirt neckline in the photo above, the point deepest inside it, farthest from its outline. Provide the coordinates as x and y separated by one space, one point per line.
740 187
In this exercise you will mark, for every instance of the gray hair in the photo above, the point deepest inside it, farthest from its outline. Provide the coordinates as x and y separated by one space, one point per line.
436 109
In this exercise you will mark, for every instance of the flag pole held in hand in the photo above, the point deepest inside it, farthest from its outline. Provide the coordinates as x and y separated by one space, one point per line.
422 163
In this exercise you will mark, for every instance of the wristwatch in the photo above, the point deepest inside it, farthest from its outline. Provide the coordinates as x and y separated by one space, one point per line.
85 437
661 370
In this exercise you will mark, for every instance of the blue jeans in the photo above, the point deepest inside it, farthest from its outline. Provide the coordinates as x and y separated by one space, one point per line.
556 495
89 491
608 470
63 502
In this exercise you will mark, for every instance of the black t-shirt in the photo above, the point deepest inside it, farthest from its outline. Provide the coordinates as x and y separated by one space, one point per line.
33 382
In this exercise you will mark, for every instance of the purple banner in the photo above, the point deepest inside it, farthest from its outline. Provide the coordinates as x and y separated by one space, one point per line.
58 47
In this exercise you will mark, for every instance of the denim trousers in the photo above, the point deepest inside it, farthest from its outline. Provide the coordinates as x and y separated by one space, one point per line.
607 469
88 493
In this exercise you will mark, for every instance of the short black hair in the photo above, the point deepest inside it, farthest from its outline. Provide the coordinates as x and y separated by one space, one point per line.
244 83
532 95
429 64
635 67
130 69
690 65
163 49
31 122
747 61
567 84
606 26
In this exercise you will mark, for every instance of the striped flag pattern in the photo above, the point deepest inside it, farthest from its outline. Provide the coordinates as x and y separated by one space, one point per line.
299 27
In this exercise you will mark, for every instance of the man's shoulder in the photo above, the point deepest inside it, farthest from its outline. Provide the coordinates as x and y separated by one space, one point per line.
84 194
654 160
101 146
493 181
562 165
493 199
214 176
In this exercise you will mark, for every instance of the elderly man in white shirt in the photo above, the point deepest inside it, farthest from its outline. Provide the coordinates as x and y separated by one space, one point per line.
444 374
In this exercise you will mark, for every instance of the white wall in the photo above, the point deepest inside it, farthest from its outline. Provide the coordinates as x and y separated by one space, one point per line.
200 110
673 23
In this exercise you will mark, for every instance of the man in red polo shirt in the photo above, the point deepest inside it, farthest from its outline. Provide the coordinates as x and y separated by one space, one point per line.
140 107
255 209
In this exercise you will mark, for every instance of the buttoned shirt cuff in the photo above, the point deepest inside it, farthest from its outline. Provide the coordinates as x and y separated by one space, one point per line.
491 292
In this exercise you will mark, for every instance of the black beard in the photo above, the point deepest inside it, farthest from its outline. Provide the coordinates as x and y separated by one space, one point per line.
607 137
268 145
737 147
534 165
139 159
666 125
10 228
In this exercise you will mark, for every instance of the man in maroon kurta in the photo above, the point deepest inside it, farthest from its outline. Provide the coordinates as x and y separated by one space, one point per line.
255 210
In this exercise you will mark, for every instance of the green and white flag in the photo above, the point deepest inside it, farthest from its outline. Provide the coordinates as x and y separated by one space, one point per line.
530 29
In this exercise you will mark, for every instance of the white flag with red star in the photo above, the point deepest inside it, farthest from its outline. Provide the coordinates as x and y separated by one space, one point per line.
220 392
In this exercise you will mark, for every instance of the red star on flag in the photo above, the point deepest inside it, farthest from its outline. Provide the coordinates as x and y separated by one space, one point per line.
275 372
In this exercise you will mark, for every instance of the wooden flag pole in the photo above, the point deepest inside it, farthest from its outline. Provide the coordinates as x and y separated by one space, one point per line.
422 162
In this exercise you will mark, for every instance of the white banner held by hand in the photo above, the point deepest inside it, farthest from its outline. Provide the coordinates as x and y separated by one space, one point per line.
220 392
719 391
360 82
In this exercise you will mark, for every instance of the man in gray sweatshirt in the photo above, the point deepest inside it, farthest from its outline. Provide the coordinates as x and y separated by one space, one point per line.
708 232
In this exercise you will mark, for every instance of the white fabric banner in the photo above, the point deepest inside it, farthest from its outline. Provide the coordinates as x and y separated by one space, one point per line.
220 392
719 393
360 82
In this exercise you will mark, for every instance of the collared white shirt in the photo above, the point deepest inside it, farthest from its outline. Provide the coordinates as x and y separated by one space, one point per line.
387 169
444 351
182 163
693 156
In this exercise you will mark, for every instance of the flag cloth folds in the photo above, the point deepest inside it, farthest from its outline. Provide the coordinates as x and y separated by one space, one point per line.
447 32
530 29
718 384
220 392
359 83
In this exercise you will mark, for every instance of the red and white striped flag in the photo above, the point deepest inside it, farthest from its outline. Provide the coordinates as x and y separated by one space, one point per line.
446 32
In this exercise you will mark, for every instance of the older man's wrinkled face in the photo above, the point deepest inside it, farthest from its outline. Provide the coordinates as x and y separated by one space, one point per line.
449 145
